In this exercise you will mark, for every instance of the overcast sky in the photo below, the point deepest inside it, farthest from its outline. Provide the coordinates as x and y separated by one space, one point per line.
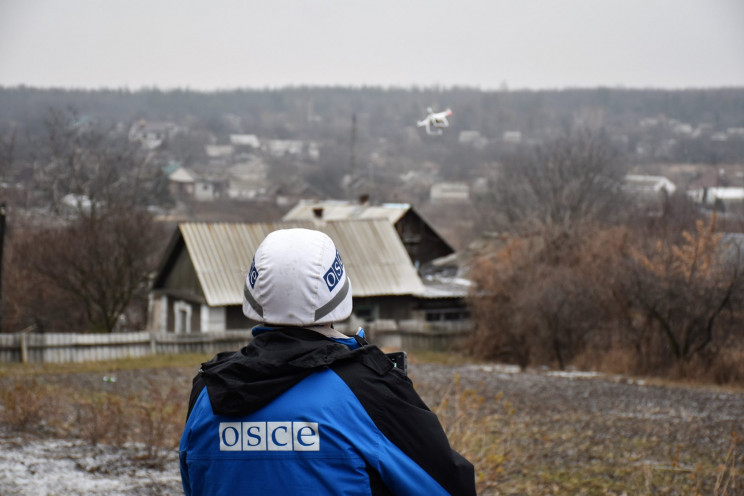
223 44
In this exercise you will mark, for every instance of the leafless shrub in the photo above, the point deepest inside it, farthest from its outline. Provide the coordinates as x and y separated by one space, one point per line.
158 416
681 290
543 299
103 419
660 305
24 404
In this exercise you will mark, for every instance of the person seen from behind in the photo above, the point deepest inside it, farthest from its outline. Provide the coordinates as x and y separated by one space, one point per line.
304 409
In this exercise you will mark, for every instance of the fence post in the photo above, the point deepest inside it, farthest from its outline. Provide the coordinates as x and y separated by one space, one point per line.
24 348
153 344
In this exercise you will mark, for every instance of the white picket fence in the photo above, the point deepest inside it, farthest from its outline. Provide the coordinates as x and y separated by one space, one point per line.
80 347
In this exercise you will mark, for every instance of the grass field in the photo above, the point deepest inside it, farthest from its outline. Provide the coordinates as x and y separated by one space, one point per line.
531 433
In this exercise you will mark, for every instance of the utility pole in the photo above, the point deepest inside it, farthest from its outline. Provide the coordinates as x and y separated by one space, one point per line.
2 243
352 158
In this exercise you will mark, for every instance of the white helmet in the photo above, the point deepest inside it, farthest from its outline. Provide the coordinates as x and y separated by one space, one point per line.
297 278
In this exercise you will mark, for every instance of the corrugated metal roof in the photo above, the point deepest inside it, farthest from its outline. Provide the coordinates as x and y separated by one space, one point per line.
370 248
338 210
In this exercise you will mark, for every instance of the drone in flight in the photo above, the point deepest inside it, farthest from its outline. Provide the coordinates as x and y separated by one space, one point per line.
434 122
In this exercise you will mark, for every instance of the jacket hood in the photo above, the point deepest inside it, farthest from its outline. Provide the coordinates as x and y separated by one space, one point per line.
243 381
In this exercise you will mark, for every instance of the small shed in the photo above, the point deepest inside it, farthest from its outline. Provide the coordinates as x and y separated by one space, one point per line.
199 285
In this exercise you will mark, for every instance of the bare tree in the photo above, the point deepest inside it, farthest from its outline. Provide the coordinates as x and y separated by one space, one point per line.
102 263
90 161
29 301
574 179
7 151
539 296
90 265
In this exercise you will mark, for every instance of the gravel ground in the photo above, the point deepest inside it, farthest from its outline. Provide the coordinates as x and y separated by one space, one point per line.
612 429
584 433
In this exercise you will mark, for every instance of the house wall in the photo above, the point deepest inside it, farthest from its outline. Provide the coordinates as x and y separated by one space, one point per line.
182 277
449 193
383 308
178 304
180 189
441 310
183 317
157 309
235 320
212 319
202 318
365 310
173 314
421 242
204 191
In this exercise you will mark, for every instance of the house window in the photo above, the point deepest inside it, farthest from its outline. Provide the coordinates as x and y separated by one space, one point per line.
367 313
182 317
447 315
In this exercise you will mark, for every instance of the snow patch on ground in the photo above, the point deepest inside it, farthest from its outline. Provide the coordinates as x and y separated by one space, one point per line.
46 467
573 374
498 368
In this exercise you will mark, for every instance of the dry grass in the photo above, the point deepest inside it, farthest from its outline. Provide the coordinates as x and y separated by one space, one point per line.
86 401
24 404
483 438
517 447
553 438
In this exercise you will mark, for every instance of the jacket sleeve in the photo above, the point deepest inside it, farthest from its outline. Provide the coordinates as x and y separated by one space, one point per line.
405 420
184 473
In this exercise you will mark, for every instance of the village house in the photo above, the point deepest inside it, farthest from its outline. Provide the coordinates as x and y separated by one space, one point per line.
449 192
184 184
250 141
181 181
280 148
514 137
248 179
724 199
151 135
219 155
472 138
421 240
199 286
649 192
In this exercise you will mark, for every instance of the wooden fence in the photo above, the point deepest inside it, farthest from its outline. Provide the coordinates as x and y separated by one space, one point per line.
412 339
60 348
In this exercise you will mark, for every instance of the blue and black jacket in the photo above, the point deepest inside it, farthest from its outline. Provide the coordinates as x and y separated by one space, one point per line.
295 412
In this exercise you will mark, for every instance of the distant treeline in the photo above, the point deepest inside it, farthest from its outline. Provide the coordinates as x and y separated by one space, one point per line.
316 112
